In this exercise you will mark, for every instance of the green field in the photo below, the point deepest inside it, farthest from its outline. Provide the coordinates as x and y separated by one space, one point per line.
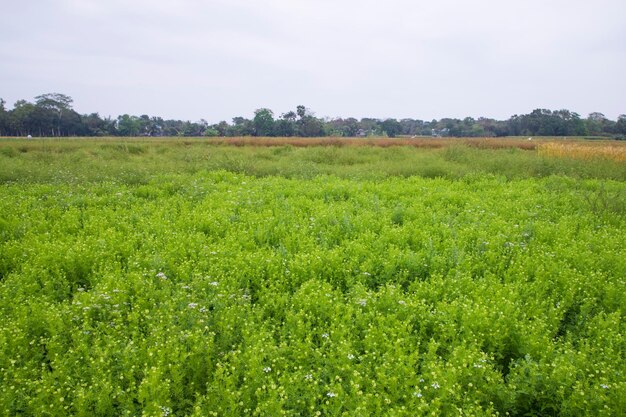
184 278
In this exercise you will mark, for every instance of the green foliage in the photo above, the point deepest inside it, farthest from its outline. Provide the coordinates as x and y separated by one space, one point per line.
135 161
163 285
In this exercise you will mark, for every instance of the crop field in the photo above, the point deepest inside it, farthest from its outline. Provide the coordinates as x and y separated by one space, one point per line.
200 278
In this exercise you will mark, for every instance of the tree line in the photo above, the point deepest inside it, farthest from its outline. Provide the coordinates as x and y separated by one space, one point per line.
52 115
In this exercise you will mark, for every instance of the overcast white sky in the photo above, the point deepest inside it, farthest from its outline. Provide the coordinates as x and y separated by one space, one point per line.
217 59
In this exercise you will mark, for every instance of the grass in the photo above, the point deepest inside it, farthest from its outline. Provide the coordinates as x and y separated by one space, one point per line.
613 151
198 278
135 161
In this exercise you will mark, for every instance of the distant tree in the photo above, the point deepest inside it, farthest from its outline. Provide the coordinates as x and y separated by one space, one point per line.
345 127
620 126
284 128
311 126
241 127
569 123
4 119
411 127
211 132
391 127
263 122
94 125
301 111
490 127
128 125
596 123
23 118
222 128
193 128
57 104
369 126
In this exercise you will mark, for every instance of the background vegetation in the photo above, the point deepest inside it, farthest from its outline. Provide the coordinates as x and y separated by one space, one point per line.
52 115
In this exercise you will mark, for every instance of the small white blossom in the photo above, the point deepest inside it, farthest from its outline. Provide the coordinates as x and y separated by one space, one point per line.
367 273
161 275
331 394
362 302
604 386
350 356
213 283
166 411
325 335
435 385
267 369
417 394
308 377
192 305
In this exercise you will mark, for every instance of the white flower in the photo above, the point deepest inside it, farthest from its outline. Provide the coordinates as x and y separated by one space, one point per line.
325 335
166 411
362 302
213 283
192 305
308 377
417 394
350 356
604 386
367 273
402 302
267 369
331 394
161 275
435 385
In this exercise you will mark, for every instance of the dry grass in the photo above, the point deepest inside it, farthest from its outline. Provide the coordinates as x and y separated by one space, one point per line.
615 151
431 143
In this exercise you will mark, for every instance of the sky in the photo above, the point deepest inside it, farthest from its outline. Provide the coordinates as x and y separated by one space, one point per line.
218 59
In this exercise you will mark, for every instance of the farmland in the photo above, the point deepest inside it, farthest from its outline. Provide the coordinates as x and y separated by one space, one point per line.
198 277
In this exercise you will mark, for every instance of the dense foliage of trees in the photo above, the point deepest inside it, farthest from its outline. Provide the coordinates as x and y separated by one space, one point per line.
52 115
